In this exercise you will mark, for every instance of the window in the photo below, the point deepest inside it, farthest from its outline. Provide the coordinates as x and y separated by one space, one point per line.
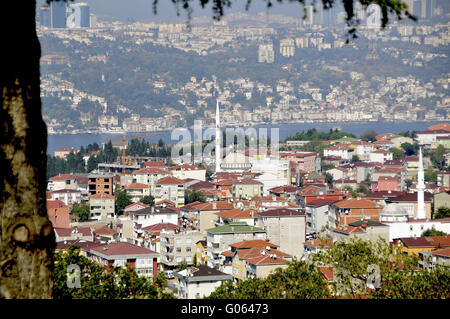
178 249
188 249
119 262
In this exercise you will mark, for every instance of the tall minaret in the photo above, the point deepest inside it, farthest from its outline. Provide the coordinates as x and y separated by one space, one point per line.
218 139
420 188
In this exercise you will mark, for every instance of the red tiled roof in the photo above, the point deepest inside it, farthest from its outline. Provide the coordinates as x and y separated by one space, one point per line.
442 252
238 213
152 170
170 180
185 167
247 181
52 204
62 177
66 232
105 231
154 164
356 203
440 126
321 202
327 273
284 189
136 204
281 212
157 228
434 132
410 197
136 186
219 205
102 196
411 242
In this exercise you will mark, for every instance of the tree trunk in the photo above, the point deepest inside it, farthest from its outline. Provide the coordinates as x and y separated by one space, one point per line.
27 237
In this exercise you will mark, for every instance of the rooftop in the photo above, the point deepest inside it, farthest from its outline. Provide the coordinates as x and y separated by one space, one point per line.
235 227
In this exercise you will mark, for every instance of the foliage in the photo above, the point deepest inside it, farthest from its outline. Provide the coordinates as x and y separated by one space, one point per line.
430 175
368 136
122 200
73 163
433 232
148 200
351 261
298 281
193 195
313 134
418 284
98 282
363 189
397 154
329 178
437 157
410 149
81 210
411 134
354 159
442 212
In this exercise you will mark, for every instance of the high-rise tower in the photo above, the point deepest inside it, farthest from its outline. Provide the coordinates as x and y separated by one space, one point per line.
58 14
218 139
420 188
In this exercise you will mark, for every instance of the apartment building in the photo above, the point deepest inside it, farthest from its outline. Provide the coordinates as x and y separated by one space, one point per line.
184 171
137 191
219 238
198 282
101 184
149 176
177 247
285 228
102 206
170 188
350 210
247 188
144 260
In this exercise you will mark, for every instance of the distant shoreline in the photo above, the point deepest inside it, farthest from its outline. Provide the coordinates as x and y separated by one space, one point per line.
248 124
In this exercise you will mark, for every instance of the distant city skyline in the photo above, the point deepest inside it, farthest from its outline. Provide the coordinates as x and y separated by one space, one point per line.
142 10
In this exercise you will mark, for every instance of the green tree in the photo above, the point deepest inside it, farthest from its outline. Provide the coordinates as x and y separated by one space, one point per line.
81 210
437 157
410 149
194 195
355 158
415 284
397 154
98 282
430 175
329 178
299 280
92 163
148 200
433 232
353 260
442 212
368 136
122 200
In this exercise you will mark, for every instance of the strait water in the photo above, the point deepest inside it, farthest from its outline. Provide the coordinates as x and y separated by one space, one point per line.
285 130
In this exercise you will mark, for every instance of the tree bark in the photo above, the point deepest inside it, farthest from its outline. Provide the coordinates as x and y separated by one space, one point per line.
27 237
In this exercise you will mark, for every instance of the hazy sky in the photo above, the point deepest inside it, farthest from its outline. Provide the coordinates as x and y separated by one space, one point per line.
141 10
